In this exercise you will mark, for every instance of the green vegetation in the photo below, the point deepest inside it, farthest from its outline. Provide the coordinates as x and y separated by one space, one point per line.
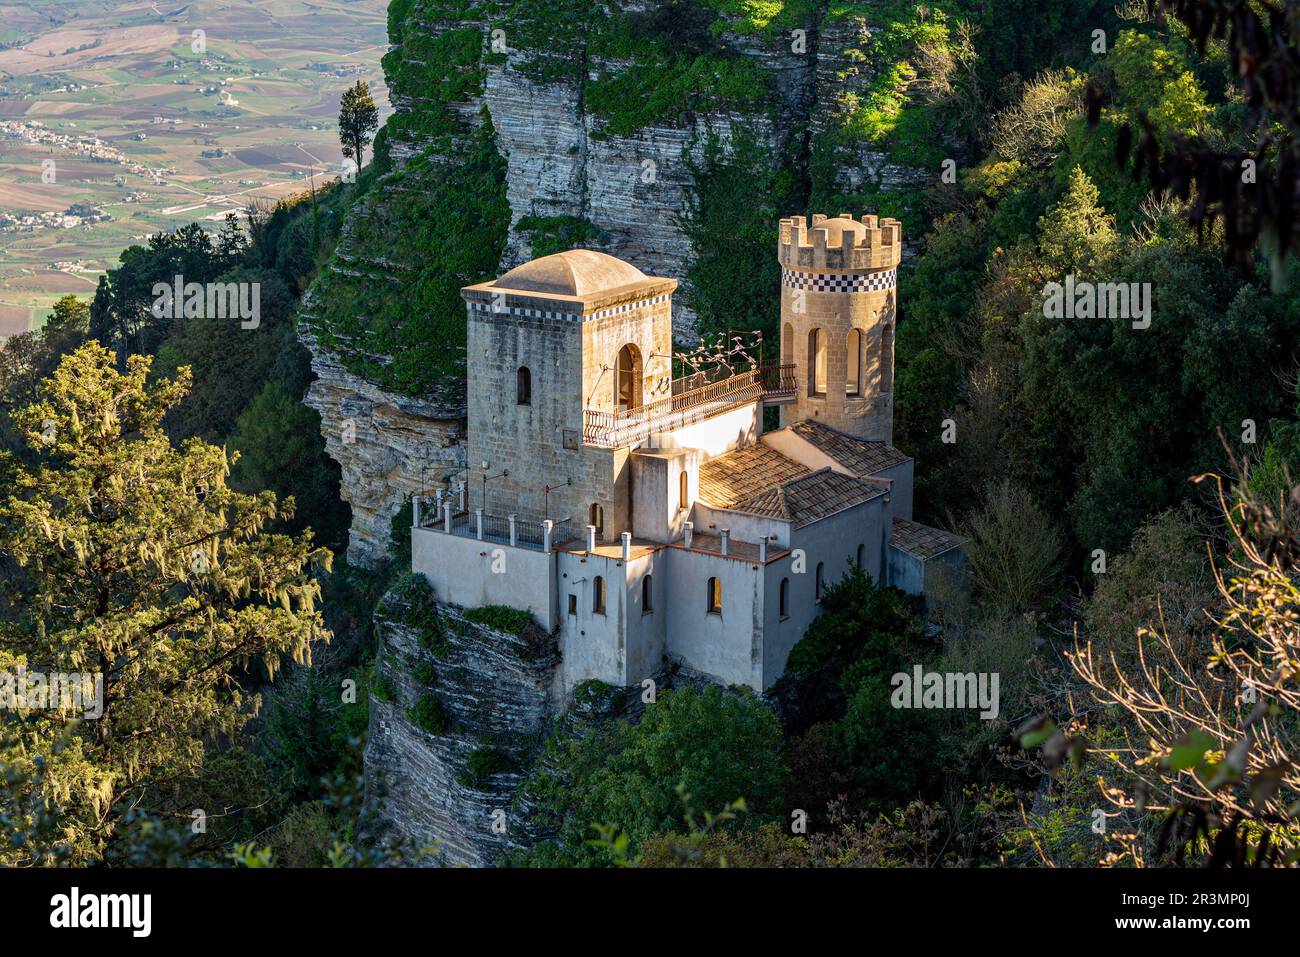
482 764
441 223
429 715
358 119
510 620
421 613
555 234
717 745
166 626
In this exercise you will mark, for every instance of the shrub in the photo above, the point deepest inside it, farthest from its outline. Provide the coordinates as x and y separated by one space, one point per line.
510 620
482 764
1015 548
425 673
429 714
422 614
384 688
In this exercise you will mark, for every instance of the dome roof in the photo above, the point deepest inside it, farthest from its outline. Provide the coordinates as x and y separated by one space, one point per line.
578 272
837 227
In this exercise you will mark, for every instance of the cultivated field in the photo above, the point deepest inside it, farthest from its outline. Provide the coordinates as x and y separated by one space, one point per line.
121 107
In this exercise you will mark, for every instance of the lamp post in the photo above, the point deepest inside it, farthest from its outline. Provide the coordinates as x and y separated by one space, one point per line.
546 495
487 478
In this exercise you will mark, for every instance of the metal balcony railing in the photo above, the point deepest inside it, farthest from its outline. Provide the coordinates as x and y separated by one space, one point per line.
529 531
690 404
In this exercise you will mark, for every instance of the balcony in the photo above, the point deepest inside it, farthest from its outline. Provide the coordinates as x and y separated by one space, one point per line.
693 400
519 530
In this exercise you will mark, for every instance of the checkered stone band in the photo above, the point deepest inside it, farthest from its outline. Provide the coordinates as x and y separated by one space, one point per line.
835 282
487 308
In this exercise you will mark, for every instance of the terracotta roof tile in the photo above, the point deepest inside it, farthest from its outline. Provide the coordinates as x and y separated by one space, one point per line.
811 497
922 541
743 473
860 457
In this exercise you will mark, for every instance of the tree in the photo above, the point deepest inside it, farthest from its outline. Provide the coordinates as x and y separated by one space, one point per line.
1015 549
67 324
1251 184
1210 730
706 748
358 118
229 364
280 448
142 566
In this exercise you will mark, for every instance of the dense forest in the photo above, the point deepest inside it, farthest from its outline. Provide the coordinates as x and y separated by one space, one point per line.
169 515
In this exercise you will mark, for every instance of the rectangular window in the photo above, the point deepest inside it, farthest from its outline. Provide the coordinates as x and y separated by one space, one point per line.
573 604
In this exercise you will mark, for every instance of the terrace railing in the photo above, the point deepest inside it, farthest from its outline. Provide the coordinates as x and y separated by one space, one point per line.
529 531
693 399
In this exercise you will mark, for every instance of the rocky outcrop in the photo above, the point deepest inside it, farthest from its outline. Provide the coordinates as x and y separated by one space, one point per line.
495 690
845 73
388 447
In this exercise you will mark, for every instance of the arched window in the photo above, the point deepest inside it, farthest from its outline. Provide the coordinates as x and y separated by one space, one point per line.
647 595
785 598
887 358
817 362
523 386
598 595
627 378
862 552
715 596
596 516
821 579
853 353
683 490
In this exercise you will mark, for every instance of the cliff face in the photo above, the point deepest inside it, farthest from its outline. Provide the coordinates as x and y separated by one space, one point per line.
494 698
556 124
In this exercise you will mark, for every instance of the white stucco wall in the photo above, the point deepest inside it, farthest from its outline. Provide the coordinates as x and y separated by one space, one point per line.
461 572
656 491
725 645
592 645
717 435
900 478
744 526
646 629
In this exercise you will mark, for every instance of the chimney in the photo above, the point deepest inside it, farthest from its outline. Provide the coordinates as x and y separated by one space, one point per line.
725 535
688 532
762 550
627 546
591 539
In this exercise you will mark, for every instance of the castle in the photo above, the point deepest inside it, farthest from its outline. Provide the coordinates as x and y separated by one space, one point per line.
641 513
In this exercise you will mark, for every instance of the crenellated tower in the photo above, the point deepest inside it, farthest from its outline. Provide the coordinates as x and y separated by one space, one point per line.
839 280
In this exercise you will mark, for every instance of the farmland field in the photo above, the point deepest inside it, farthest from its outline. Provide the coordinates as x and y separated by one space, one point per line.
155 114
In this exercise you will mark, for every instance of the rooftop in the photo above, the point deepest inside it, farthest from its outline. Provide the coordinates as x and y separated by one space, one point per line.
811 497
860 457
922 541
744 473
577 272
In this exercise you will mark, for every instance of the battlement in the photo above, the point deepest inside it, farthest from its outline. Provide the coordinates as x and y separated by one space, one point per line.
841 244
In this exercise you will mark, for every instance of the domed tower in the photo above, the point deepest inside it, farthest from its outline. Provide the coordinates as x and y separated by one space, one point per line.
839 282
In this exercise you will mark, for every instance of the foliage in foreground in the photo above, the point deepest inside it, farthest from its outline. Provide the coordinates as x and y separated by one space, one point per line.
140 565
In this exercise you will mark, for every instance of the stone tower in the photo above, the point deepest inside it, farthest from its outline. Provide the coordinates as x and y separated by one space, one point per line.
839 282
553 346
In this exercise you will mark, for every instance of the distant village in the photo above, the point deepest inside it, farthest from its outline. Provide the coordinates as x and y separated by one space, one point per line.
76 215
87 145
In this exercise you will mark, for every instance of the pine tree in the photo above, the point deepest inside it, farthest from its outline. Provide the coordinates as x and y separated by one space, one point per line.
143 566
358 118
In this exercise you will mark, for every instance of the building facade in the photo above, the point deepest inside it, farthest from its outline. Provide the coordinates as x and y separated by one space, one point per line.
646 518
